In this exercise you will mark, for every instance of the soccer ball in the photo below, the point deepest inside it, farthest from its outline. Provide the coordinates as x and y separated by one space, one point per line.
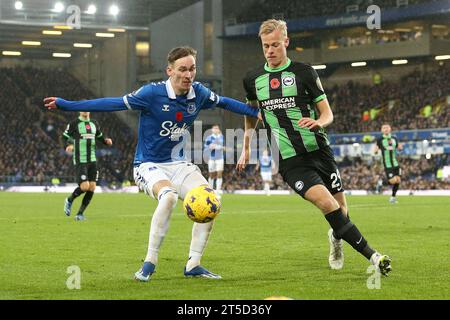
201 204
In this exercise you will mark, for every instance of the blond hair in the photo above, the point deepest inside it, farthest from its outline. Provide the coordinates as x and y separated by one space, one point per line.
271 25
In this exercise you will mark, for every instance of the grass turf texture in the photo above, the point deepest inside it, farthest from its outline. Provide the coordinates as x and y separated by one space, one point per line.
262 246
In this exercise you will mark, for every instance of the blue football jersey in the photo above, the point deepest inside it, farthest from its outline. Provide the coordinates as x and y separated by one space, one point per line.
165 119
265 163
214 154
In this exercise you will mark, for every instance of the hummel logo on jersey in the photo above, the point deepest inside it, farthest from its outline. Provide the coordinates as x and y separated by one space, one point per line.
165 107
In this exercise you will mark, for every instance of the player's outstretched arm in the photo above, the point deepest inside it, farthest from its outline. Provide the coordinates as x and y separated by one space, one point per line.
238 107
99 105
249 125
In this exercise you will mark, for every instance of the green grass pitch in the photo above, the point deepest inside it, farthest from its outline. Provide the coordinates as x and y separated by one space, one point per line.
262 246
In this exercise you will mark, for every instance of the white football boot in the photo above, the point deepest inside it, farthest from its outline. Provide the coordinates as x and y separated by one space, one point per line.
336 258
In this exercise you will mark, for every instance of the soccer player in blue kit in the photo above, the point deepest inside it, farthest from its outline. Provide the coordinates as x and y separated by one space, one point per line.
167 110
214 149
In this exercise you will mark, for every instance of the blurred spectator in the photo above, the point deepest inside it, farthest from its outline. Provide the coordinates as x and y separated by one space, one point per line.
260 10
31 149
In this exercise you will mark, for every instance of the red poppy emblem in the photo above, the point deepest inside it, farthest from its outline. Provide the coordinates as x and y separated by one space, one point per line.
274 83
179 116
88 127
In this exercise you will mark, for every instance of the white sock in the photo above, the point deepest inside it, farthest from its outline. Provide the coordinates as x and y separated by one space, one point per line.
219 183
374 258
200 235
167 198
267 188
211 182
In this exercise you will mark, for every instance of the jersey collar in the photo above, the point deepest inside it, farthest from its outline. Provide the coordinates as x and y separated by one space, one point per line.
81 119
171 93
269 69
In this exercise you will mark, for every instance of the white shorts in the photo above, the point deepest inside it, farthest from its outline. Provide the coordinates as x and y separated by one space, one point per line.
266 175
215 165
183 175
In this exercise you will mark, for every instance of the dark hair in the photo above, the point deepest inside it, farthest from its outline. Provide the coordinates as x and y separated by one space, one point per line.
180 52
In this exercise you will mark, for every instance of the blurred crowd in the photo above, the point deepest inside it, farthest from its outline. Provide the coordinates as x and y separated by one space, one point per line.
32 149
417 174
356 174
260 10
374 38
409 96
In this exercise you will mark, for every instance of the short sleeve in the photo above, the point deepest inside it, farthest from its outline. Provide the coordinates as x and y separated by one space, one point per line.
396 143
250 92
98 133
68 134
140 99
314 85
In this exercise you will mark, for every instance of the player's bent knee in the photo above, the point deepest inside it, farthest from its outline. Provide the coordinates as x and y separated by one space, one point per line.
84 186
169 195
328 205
92 186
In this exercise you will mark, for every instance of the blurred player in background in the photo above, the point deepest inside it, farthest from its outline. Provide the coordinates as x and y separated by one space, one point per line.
167 111
295 110
388 144
82 134
214 147
265 165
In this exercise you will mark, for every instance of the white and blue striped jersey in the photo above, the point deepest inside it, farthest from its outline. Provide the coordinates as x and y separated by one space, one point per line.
265 164
217 152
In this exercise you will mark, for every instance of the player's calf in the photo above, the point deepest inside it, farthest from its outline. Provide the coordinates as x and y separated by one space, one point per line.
344 229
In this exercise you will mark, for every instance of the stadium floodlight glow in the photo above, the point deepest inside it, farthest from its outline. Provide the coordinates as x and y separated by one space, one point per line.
59 7
439 26
91 9
444 57
114 10
105 35
402 29
320 67
82 45
61 55
359 64
401 61
18 5
52 32
31 43
63 27
116 30
11 53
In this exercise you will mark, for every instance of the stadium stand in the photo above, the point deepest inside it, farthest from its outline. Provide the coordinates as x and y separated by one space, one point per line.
399 103
292 9
37 133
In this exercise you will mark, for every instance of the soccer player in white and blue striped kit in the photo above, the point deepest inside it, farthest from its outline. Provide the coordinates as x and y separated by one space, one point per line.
214 148
167 110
